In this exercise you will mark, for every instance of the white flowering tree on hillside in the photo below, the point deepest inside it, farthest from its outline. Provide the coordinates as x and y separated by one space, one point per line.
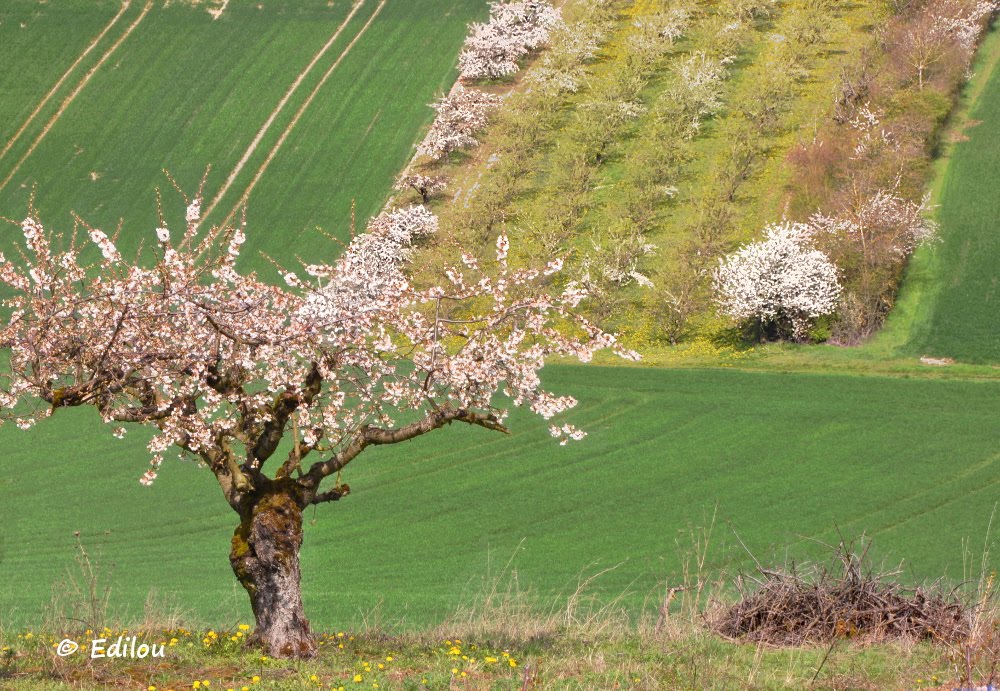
425 185
782 282
225 367
460 115
492 49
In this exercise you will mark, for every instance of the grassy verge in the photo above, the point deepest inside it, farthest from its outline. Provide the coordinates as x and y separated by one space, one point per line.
949 306
905 329
438 660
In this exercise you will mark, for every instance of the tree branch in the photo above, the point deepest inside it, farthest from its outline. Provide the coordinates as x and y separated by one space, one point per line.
334 494
375 436
286 404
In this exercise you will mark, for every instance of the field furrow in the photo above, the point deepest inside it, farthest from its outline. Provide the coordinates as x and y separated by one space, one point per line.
51 92
76 92
278 108
327 99
244 198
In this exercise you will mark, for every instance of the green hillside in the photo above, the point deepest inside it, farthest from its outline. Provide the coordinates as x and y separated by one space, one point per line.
783 459
179 91
961 316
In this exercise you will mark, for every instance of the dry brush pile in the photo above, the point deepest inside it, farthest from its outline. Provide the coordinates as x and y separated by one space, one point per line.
847 599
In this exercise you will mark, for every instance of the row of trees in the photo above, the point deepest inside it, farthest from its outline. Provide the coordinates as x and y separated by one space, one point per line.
780 285
521 131
861 177
756 111
225 367
588 110
492 50
612 255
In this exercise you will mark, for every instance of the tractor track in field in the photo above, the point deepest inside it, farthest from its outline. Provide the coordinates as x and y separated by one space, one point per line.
298 115
262 132
93 44
76 92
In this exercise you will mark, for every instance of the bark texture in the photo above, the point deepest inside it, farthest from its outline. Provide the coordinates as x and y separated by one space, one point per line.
265 559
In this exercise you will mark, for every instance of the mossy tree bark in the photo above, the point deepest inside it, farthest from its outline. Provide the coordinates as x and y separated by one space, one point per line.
266 544
265 559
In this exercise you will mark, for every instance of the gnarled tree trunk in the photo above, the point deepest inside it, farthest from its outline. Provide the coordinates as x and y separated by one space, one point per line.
265 559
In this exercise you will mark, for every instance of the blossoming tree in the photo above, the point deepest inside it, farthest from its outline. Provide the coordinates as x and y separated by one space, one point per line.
225 367
424 185
949 29
460 115
492 49
782 282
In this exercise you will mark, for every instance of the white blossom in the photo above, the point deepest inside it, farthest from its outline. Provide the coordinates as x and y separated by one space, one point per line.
493 49
105 244
460 116
425 185
781 278
212 361
882 222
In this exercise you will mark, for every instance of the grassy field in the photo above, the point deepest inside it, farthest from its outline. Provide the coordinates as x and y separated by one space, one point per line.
958 313
783 460
866 441
180 91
